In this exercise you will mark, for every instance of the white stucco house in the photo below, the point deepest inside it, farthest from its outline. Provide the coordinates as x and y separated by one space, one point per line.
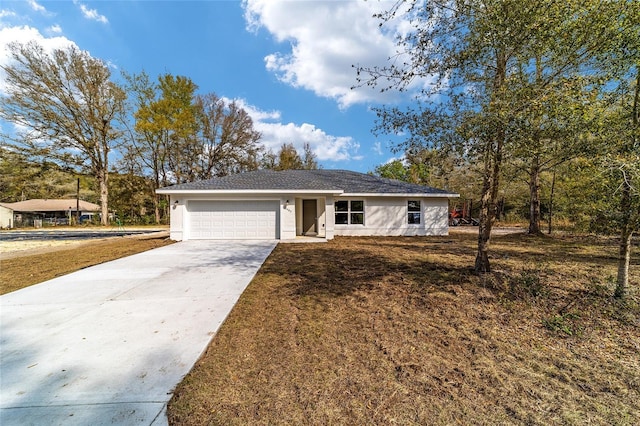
284 205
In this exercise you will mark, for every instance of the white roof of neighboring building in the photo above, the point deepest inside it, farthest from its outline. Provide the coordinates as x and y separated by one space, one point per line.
46 205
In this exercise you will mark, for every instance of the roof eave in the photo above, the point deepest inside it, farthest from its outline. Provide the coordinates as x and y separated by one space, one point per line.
248 191
400 194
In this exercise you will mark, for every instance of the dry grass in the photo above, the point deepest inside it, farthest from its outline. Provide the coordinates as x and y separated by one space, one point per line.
400 331
28 269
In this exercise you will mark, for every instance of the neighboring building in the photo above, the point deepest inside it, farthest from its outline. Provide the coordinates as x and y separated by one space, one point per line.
40 212
6 216
269 204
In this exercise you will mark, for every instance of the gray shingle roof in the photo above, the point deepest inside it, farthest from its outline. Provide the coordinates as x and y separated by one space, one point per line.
321 180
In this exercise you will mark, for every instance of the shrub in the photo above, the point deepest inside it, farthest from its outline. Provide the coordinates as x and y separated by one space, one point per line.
564 324
528 285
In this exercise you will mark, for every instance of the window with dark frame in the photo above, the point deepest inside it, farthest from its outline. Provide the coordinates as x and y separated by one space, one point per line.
349 212
414 212
342 212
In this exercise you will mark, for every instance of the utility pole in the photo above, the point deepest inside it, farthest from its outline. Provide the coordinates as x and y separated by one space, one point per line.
78 203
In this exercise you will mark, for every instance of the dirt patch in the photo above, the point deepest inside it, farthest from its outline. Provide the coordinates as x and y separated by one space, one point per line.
19 248
26 263
505 230
401 331
13 249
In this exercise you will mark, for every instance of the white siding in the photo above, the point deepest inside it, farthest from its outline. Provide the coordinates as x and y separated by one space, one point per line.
6 217
383 215
388 216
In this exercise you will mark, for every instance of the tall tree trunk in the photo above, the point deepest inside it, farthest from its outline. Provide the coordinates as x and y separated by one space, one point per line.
491 175
553 187
153 185
534 171
488 201
156 209
484 229
103 182
628 218
534 197
626 233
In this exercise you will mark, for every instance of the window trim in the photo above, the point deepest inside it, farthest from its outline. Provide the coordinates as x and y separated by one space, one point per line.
410 212
349 212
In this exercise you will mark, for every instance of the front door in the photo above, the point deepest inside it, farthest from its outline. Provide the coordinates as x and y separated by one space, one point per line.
309 217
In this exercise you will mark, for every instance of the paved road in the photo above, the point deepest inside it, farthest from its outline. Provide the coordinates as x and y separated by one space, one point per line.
68 234
107 345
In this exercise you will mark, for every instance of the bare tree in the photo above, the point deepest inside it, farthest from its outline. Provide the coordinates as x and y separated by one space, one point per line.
228 143
67 106
309 159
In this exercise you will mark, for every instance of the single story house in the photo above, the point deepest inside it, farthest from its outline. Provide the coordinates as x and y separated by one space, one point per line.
268 204
49 211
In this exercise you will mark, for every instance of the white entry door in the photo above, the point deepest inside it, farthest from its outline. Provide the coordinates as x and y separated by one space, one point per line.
233 220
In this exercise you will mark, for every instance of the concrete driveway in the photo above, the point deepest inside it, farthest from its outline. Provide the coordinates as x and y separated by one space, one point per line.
107 345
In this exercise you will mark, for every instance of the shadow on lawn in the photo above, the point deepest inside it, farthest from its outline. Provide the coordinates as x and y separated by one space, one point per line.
338 269
422 265
590 250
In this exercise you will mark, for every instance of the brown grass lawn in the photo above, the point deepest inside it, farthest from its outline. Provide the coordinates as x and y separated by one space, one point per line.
400 331
23 271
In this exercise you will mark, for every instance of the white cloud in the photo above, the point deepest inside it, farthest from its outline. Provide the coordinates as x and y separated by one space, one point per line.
23 35
37 7
327 39
55 29
255 114
91 13
7 13
275 134
377 148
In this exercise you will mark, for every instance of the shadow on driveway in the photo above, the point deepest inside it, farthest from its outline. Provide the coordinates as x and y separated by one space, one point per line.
107 344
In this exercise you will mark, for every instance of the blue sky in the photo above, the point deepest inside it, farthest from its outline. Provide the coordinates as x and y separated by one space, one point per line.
288 63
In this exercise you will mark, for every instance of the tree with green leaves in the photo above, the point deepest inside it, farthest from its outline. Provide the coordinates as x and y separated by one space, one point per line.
473 57
162 142
467 50
421 166
68 107
175 115
21 178
130 202
555 128
180 136
560 80
288 158
394 169
144 149
622 168
624 158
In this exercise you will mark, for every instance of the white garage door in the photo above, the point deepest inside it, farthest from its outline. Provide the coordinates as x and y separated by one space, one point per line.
233 219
